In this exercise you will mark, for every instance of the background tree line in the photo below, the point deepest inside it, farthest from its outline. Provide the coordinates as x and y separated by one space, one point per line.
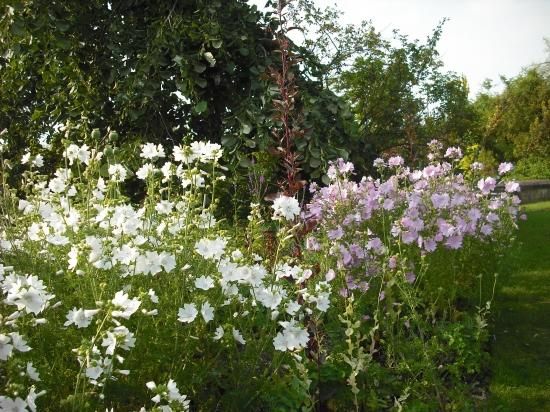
166 71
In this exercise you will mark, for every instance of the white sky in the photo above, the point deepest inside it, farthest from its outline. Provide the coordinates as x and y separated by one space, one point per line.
482 39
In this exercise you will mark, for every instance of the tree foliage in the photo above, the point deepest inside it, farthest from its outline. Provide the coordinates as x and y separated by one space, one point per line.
516 122
402 98
154 70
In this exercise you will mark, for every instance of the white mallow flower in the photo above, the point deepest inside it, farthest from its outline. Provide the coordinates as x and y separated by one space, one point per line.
292 307
19 343
26 157
81 318
15 405
188 313
291 338
153 296
286 207
117 172
164 207
152 151
144 171
174 394
128 306
219 333
119 336
238 336
184 154
26 292
32 373
94 372
211 248
204 283
6 348
207 312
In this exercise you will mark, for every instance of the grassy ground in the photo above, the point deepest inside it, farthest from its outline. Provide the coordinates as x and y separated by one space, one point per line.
521 351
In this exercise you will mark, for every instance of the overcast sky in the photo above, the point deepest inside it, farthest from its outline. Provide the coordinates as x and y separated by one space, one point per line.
482 39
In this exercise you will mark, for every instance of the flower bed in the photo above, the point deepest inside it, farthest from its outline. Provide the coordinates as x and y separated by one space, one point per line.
374 295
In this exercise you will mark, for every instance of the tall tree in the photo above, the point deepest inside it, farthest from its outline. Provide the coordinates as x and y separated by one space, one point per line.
402 98
154 70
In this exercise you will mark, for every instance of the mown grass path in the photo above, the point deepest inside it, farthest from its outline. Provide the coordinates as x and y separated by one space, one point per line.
520 378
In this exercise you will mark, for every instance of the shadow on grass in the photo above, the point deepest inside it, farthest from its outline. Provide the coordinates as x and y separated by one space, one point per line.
520 363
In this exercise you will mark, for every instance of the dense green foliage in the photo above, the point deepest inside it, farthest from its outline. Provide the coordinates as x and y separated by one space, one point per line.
515 124
165 71
402 98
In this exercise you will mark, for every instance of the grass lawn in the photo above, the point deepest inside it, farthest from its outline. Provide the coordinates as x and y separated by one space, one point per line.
521 350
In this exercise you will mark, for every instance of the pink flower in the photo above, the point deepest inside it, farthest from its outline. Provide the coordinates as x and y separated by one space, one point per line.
395 161
454 242
440 201
486 185
453 153
504 168
429 245
512 187
336 234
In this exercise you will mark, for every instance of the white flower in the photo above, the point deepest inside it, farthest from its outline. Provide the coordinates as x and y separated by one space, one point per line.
128 306
150 151
144 171
204 283
292 307
74 152
32 373
292 337
6 347
25 158
13 405
19 343
117 172
207 312
83 154
211 249
184 154
80 317
167 261
164 207
505 168
512 187
188 313
153 296
210 59
219 333
94 372
32 300
286 207
238 337
119 335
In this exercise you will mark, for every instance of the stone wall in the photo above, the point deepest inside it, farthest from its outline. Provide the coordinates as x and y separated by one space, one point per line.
534 190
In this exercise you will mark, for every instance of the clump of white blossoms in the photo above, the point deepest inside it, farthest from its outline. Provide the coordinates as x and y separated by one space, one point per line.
128 306
28 293
292 337
81 318
211 248
168 397
152 151
285 207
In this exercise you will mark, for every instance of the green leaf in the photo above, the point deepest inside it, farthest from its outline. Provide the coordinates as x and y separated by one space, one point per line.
202 83
199 67
201 106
